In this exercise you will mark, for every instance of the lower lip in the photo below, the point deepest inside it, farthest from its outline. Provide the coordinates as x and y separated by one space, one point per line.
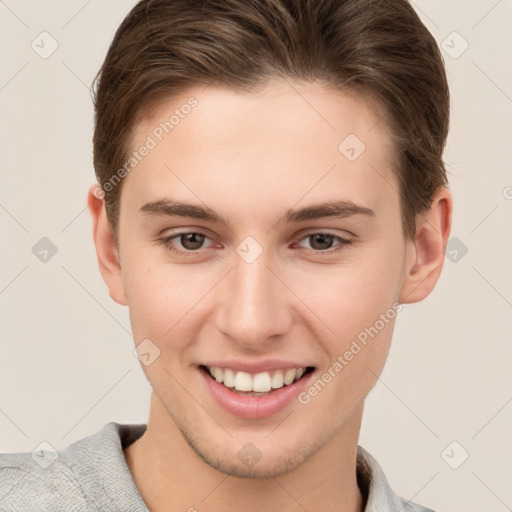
254 407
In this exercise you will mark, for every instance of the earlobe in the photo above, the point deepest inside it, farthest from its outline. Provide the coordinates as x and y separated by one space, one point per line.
106 249
425 254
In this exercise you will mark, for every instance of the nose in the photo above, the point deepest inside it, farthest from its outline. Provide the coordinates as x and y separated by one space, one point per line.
255 305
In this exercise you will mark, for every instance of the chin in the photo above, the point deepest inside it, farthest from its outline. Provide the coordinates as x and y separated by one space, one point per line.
260 467
244 459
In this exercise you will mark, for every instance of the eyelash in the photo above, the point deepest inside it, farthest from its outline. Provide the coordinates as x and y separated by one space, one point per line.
189 253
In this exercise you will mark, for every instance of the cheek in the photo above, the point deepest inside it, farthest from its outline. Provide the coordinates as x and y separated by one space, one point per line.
152 295
351 296
164 300
358 302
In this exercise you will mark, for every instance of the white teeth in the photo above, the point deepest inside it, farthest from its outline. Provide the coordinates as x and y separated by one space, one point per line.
229 378
218 374
260 383
277 380
289 376
243 382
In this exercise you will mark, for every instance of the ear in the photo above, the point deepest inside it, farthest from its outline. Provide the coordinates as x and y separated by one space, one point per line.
425 253
106 249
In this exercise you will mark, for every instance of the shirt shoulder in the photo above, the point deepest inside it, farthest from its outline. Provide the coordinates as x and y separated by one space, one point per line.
26 486
378 494
89 475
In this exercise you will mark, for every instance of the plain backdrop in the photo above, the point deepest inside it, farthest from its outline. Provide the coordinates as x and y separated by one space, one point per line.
67 366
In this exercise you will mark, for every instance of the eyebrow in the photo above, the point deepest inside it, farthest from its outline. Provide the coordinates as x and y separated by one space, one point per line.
172 208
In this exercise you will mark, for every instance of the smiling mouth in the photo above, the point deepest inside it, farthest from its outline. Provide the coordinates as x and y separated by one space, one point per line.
259 384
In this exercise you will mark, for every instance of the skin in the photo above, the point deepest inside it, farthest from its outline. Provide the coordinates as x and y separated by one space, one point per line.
250 157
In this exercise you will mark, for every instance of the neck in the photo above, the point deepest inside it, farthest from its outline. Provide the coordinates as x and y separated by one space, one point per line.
171 476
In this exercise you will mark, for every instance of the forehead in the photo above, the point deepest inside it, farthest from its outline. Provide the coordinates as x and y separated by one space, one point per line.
281 142
289 104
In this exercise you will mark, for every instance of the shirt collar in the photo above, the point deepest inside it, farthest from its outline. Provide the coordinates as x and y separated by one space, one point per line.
374 485
107 475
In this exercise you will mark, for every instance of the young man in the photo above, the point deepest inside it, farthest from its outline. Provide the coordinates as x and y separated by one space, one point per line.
272 190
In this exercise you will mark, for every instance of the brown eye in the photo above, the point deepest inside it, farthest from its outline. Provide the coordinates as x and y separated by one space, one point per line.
191 241
321 241
186 243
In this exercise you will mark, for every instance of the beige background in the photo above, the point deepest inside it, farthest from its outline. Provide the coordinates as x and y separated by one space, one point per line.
67 366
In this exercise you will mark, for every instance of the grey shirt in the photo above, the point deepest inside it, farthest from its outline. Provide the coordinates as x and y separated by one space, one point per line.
92 475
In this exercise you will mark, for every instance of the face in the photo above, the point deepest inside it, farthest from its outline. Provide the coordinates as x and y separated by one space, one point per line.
256 239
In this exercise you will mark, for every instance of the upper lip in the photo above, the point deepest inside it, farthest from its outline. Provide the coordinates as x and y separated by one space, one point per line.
254 367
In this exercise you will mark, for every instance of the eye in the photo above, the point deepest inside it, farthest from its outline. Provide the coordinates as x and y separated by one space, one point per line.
190 241
321 241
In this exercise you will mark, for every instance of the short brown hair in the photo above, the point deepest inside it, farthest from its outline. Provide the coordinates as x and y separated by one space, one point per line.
379 49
